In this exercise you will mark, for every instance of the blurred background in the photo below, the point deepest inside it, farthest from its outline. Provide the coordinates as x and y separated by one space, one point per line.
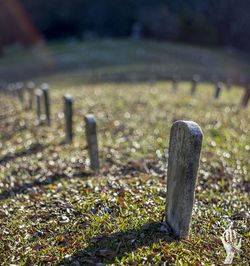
223 24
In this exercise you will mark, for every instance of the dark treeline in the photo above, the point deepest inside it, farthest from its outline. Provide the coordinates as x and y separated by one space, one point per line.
210 22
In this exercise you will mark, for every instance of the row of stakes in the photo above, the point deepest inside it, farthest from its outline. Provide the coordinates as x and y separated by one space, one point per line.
217 92
90 123
194 83
26 96
183 160
43 103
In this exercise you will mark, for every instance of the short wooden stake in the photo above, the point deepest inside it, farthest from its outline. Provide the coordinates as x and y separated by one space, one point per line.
246 97
174 85
183 162
38 95
30 90
91 136
20 93
218 88
45 89
68 114
195 80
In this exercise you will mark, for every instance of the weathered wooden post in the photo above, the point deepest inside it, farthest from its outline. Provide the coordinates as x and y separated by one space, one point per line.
246 97
38 95
218 88
30 91
174 84
26 98
91 136
68 114
195 80
45 90
20 92
183 162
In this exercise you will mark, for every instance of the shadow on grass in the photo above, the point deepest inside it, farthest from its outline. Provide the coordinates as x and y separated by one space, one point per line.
27 186
35 148
110 248
43 181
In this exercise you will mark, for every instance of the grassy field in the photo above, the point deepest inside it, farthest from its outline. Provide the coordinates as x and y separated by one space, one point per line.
119 60
53 211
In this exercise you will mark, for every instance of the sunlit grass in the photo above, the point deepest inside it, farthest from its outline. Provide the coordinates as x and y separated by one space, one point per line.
54 211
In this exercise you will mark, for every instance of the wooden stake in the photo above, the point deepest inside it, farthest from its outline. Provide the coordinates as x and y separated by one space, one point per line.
183 162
